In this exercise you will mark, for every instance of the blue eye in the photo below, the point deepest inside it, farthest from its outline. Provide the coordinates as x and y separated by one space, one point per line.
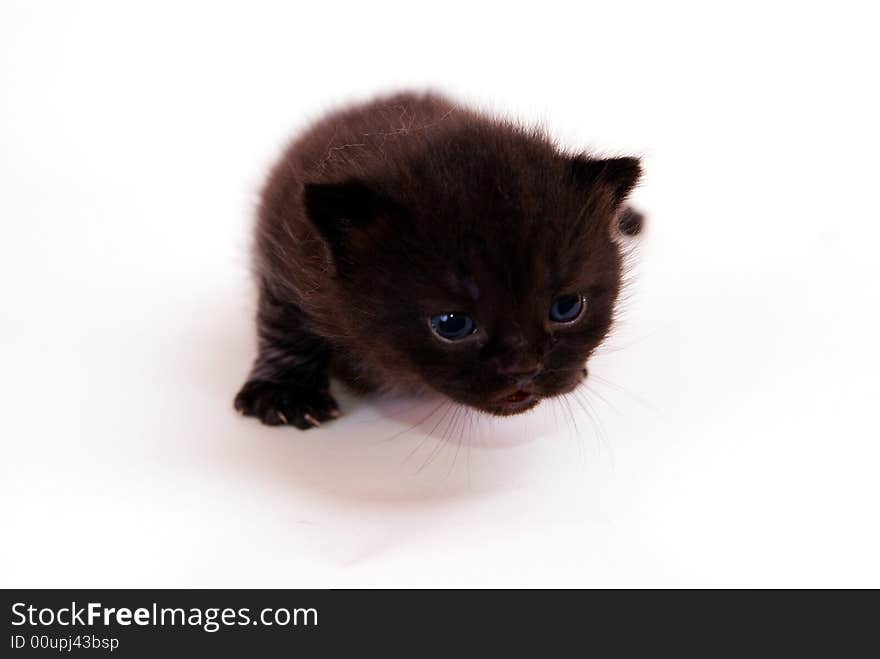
453 326
566 308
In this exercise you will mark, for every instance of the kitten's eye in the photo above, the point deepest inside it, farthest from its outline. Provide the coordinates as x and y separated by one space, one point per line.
453 326
567 308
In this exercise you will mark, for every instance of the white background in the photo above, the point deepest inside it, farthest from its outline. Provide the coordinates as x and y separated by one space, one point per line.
737 446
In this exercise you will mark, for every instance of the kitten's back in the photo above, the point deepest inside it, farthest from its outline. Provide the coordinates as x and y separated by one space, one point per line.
351 140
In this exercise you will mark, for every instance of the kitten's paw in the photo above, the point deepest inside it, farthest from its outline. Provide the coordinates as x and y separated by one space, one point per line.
277 404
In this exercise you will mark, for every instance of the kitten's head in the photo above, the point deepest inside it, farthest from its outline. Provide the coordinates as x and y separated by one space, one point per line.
482 264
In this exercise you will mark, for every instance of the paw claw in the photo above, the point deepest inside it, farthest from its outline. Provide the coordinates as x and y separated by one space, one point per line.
276 403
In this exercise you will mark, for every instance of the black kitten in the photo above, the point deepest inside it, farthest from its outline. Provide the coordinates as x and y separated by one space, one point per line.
414 244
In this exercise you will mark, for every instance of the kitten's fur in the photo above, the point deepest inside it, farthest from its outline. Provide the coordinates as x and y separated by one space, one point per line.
385 214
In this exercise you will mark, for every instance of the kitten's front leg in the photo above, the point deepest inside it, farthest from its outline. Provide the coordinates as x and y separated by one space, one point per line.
289 382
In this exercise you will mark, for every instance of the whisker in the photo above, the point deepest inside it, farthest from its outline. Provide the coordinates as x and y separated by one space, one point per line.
565 399
598 395
460 433
600 380
415 425
607 348
575 434
590 411
441 442
430 434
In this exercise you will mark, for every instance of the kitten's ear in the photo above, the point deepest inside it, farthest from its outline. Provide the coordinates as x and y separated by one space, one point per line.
339 209
619 175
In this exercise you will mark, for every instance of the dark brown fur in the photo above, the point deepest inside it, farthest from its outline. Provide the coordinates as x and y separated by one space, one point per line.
385 214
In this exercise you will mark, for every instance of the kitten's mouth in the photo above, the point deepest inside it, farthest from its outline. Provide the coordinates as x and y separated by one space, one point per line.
516 397
519 401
